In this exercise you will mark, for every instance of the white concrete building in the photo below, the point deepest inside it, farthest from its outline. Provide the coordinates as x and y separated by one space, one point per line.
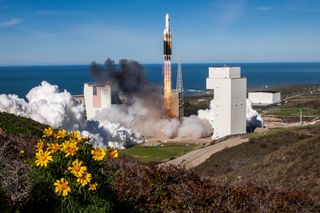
96 97
230 91
264 98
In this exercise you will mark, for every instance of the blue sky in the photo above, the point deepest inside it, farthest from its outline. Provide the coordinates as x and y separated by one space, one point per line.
215 31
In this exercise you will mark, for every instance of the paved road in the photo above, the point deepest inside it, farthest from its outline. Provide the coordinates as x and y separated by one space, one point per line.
196 157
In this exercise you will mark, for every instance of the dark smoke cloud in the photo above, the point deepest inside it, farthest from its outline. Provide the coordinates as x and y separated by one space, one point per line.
128 81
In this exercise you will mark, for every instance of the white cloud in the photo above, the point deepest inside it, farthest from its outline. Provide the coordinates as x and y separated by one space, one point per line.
264 8
9 22
228 12
290 9
59 13
301 9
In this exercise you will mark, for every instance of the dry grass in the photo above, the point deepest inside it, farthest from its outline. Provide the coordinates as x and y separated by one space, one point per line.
289 158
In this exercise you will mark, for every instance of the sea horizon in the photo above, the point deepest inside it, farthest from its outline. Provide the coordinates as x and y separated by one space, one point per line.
116 62
20 79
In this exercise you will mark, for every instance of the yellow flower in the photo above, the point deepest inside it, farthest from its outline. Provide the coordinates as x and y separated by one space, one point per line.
61 134
39 144
113 153
70 148
53 147
43 158
93 186
62 187
48 132
98 154
84 179
75 136
21 152
77 169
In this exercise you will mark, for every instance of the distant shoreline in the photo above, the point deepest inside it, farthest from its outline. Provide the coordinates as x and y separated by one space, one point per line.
187 63
283 88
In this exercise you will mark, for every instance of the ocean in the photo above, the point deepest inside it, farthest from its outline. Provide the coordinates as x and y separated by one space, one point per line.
20 79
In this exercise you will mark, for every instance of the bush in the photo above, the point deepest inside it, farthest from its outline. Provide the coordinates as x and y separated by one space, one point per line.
68 174
173 189
15 181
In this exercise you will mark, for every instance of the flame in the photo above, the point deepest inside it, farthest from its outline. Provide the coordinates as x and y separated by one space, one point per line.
167 88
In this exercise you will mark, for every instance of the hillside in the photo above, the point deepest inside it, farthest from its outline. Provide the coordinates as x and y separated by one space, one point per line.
285 157
127 186
19 125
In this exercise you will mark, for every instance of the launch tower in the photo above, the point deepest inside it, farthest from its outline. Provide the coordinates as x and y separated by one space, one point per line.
177 95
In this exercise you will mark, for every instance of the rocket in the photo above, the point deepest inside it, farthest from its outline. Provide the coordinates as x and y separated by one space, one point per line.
167 40
167 52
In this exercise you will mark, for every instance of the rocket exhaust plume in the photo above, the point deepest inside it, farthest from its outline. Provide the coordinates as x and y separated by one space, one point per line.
167 52
167 88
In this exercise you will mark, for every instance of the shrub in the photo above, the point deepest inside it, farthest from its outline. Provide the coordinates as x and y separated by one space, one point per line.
173 189
14 172
68 173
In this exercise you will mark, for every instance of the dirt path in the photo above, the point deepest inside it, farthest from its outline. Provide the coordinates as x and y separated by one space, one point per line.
196 157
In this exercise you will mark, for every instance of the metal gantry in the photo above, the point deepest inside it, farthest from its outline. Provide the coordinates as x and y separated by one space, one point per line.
179 83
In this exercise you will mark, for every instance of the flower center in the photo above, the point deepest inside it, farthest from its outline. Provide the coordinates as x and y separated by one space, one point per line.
76 168
84 177
98 153
71 149
43 158
64 186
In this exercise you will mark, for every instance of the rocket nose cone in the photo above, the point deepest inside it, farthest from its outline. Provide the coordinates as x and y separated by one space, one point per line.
167 21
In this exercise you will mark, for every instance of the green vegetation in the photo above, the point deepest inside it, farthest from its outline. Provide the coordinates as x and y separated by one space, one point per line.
309 103
273 132
193 103
156 154
20 125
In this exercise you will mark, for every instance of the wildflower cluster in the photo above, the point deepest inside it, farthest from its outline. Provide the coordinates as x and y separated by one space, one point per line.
71 160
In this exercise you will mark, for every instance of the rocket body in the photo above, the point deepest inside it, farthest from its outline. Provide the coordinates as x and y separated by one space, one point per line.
167 40
167 52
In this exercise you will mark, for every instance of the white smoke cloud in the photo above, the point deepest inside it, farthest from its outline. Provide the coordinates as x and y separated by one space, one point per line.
208 114
120 126
47 105
194 127
57 109
254 119
148 121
